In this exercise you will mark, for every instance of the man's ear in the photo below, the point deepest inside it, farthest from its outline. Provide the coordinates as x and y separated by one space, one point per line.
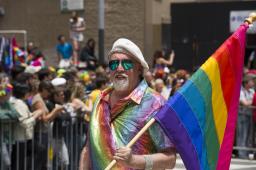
140 70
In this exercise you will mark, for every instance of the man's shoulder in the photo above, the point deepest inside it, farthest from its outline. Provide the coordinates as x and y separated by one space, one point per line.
154 96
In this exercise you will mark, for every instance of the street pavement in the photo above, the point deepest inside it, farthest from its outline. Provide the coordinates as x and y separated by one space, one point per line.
236 164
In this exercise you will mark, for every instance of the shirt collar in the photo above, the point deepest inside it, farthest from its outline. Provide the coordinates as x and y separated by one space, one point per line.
137 94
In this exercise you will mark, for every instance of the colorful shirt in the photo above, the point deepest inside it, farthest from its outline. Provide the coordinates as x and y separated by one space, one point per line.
112 128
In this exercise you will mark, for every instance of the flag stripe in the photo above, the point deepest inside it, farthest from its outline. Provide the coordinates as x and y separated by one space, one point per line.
218 103
211 138
226 73
235 46
182 139
192 126
196 101
215 87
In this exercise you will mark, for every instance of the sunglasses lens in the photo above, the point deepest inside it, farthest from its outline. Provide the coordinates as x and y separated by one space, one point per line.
113 64
127 64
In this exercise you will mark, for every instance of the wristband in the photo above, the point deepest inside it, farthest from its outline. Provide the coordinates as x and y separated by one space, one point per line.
148 162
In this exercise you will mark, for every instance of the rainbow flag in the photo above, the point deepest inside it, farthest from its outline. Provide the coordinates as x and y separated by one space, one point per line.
201 117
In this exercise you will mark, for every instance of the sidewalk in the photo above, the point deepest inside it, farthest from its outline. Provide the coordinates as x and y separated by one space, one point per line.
236 164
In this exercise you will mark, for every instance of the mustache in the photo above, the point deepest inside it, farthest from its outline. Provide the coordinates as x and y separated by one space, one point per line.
120 74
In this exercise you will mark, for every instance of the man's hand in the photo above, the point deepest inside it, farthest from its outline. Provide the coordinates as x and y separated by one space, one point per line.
124 156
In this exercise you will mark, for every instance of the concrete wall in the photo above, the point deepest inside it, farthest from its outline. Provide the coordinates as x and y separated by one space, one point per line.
44 20
139 20
124 19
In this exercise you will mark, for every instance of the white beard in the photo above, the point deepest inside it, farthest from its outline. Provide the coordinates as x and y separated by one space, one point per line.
121 85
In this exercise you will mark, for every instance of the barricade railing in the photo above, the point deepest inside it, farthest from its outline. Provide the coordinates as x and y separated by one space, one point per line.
55 145
245 142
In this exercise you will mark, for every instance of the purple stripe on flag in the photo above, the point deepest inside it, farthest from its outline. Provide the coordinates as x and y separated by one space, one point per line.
174 129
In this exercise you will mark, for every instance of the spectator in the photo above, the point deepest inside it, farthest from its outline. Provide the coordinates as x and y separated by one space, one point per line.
160 64
41 131
23 131
77 27
7 114
44 74
161 88
64 52
87 55
61 120
244 116
35 56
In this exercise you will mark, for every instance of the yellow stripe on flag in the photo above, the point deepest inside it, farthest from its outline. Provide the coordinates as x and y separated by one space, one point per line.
211 68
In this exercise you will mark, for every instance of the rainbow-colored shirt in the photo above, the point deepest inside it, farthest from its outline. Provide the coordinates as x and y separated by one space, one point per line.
112 128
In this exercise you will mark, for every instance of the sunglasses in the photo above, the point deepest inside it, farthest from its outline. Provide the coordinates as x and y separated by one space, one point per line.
126 64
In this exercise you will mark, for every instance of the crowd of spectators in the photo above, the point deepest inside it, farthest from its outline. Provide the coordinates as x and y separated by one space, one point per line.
45 106
43 99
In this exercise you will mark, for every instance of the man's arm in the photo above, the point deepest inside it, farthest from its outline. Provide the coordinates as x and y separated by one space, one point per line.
162 160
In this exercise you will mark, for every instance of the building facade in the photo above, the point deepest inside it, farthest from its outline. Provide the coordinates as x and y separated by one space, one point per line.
146 22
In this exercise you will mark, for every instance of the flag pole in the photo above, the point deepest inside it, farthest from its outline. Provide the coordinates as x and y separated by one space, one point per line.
135 138
251 18
249 21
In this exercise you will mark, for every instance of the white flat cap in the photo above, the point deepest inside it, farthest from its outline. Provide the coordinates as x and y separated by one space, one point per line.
123 45
58 81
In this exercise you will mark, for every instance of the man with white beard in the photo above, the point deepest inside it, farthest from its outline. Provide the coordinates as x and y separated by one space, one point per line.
120 112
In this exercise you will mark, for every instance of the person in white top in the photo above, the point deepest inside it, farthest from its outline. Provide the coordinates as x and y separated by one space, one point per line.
23 129
77 27
245 116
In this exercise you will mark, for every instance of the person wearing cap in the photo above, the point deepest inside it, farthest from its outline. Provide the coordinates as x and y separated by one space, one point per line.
119 114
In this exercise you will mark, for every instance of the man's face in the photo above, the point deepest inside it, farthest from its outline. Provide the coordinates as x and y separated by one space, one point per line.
124 80
251 83
62 40
159 87
59 97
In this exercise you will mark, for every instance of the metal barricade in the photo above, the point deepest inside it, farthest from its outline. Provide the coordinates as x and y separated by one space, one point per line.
6 142
245 143
55 145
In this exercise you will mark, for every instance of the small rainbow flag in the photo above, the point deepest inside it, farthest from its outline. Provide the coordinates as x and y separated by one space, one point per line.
201 117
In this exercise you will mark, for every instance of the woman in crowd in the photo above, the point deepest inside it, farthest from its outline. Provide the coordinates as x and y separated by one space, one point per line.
41 131
24 129
77 26
87 55
160 64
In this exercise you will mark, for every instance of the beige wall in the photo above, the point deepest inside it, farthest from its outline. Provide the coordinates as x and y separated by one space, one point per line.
43 21
124 18
138 20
